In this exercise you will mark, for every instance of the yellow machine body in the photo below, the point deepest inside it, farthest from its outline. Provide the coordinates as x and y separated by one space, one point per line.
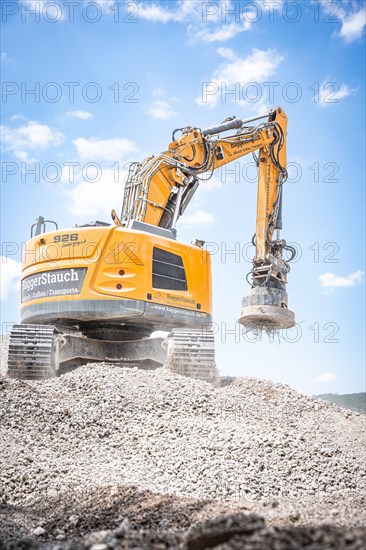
114 275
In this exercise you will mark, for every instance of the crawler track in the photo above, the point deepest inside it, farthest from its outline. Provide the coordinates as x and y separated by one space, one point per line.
33 351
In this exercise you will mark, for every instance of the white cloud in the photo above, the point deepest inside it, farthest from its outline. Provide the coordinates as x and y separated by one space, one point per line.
161 110
211 183
331 93
330 280
353 25
226 53
198 218
255 68
326 376
209 22
94 200
185 11
351 15
157 92
82 115
105 5
104 149
10 275
206 21
30 137
17 117
223 33
157 14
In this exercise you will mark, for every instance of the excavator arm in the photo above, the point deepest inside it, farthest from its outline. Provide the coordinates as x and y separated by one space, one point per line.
159 189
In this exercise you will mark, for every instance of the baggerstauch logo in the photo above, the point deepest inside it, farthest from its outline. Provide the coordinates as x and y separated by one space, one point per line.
60 282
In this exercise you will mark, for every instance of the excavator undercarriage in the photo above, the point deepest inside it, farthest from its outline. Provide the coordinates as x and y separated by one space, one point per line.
38 352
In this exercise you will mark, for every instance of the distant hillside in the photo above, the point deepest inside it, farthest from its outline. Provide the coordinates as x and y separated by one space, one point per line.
353 401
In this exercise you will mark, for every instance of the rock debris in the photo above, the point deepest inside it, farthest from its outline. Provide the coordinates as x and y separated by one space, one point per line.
108 457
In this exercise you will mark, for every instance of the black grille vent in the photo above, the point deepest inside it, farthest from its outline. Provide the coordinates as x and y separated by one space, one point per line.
168 271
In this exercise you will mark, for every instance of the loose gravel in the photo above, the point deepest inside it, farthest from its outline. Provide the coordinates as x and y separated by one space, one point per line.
140 456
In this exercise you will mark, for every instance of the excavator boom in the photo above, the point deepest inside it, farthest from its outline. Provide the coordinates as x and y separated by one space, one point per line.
159 189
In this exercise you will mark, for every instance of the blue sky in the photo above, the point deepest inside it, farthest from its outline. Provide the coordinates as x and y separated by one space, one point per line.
110 82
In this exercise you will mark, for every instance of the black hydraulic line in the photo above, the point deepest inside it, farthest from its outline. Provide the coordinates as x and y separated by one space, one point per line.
233 124
278 224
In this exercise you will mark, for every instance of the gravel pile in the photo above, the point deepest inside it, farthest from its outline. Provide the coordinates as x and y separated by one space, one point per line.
249 446
4 343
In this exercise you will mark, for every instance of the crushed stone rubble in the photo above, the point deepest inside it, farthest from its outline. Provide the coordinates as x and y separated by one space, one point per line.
251 446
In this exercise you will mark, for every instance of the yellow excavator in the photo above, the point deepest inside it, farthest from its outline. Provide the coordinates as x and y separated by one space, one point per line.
97 292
